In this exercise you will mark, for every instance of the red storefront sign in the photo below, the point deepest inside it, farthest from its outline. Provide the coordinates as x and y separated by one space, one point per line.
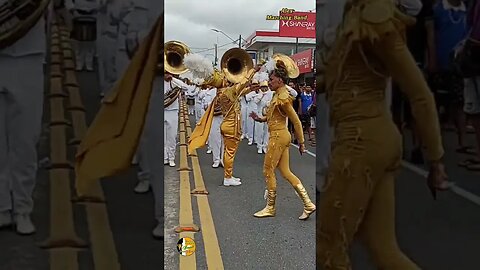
304 60
297 24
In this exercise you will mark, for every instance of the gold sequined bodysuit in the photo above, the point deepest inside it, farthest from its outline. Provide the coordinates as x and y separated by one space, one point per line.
278 152
358 196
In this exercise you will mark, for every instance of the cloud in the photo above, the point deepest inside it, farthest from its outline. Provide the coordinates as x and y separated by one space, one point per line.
191 21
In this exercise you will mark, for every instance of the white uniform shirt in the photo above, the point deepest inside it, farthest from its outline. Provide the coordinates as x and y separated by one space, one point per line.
266 99
167 87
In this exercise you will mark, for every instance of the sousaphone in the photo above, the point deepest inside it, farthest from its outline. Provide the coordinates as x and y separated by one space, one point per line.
292 68
235 64
173 54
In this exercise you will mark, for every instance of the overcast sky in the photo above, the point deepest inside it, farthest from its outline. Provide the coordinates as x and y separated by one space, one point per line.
191 21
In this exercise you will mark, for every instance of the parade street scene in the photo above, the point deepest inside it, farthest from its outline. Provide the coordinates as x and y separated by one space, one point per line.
239 135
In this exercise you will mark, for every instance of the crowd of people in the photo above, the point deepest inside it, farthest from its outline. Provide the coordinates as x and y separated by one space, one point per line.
437 41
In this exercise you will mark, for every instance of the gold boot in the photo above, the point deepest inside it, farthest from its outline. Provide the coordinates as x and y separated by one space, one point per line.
308 206
269 210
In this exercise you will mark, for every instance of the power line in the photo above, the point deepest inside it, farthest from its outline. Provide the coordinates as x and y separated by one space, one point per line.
211 49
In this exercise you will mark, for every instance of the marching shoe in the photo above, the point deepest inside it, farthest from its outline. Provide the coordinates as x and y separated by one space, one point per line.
171 163
216 164
231 182
269 210
259 150
209 151
236 179
158 232
165 162
250 142
265 150
308 206
143 186
5 219
24 225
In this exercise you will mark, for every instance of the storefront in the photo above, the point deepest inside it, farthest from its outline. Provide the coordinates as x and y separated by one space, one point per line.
306 63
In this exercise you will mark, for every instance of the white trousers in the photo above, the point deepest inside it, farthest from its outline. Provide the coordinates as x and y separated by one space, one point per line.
170 134
261 135
84 54
21 109
215 139
250 123
243 118
106 63
199 111
150 149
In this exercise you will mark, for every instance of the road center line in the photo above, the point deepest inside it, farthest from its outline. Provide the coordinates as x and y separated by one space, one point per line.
453 187
210 240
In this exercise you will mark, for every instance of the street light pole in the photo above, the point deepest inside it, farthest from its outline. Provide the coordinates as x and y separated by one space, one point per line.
240 42
216 58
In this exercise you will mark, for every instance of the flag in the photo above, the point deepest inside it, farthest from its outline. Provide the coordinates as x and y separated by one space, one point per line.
112 139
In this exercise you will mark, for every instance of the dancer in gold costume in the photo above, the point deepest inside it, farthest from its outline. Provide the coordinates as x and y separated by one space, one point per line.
278 151
358 194
228 98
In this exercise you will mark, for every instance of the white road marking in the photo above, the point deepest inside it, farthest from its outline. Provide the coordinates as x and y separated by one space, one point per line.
308 152
453 187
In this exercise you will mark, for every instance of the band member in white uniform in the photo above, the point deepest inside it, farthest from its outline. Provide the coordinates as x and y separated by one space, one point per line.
215 139
243 116
251 107
199 110
171 119
84 24
261 129
191 94
21 109
133 17
107 34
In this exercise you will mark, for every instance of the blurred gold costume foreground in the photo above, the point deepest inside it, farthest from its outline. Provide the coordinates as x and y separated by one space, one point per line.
113 137
358 197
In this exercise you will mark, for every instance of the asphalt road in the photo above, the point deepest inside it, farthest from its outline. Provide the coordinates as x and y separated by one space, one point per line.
282 242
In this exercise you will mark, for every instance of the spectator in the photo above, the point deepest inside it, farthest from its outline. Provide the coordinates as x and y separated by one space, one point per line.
306 100
472 83
450 30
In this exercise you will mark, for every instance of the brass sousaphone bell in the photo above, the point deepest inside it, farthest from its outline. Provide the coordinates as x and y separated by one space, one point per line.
292 68
235 64
173 54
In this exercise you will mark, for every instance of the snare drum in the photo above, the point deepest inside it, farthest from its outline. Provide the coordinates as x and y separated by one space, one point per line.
84 29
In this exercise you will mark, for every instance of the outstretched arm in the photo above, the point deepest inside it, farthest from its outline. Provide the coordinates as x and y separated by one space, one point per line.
287 108
393 52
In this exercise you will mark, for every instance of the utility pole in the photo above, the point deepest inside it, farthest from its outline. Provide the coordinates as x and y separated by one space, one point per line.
240 42
216 58
296 45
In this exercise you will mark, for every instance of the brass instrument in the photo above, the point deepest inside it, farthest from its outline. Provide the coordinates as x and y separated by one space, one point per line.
18 17
236 63
292 68
173 55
